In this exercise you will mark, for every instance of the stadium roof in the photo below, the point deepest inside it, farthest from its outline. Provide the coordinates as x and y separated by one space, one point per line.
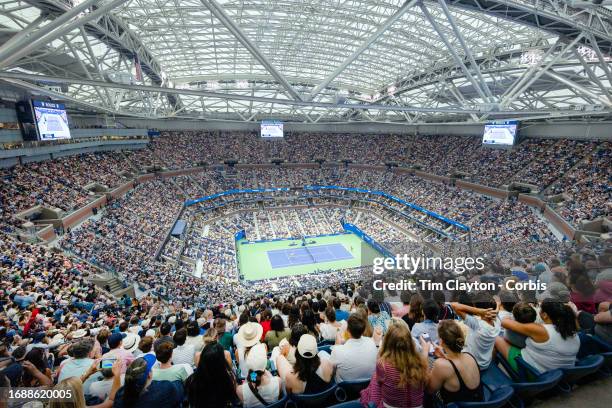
313 61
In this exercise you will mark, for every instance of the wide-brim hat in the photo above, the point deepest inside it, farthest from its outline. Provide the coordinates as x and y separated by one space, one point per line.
249 334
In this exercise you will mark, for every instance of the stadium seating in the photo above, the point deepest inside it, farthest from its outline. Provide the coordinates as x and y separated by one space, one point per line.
314 400
493 399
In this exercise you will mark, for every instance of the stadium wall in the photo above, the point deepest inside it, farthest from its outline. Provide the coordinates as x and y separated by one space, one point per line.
567 129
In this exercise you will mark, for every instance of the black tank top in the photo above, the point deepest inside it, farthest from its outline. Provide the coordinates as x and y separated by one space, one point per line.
315 384
463 394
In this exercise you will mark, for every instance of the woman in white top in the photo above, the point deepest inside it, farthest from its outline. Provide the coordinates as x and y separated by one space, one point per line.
261 388
330 329
553 344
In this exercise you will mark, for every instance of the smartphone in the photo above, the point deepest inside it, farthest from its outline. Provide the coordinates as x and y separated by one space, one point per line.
107 363
432 348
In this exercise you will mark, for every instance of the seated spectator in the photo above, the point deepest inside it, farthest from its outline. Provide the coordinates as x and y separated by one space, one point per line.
166 371
603 322
446 310
310 374
225 338
36 372
141 391
71 386
378 318
484 327
356 358
455 374
145 346
194 337
309 321
115 343
603 282
102 388
261 388
550 345
401 371
277 332
182 353
582 291
213 383
522 312
330 328
248 336
431 311
164 335
79 362
415 311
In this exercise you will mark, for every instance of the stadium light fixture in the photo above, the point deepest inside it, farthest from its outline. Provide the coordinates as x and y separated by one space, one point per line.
242 84
532 57
212 85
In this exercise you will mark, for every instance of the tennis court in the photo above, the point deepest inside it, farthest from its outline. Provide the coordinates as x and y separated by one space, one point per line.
286 257
281 258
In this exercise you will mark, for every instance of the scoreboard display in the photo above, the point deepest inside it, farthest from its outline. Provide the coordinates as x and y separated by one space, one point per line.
271 129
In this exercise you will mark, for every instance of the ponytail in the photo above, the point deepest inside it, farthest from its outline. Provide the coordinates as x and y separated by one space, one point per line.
562 317
134 383
255 377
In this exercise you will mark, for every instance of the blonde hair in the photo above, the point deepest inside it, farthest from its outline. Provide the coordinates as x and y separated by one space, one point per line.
71 385
398 350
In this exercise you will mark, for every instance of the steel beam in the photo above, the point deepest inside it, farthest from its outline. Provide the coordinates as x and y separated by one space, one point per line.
27 38
12 76
579 88
364 46
466 49
452 51
41 40
226 20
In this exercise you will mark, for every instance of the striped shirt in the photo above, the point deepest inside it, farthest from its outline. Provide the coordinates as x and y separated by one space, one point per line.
384 390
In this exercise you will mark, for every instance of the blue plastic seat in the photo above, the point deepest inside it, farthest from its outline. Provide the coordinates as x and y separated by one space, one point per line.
524 390
321 399
282 403
349 390
584 367
348 404
493 399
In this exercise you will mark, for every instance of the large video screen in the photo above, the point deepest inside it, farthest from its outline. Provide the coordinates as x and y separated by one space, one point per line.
500 133
271 128
51 120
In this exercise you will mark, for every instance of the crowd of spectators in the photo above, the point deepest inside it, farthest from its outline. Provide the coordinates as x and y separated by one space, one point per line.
420 348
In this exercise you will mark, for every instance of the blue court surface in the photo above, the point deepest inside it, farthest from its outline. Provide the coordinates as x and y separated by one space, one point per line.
282 258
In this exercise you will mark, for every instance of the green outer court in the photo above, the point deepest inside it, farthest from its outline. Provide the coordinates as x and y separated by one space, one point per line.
254 264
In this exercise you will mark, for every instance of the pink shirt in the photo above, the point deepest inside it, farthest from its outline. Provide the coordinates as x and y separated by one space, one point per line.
123 354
